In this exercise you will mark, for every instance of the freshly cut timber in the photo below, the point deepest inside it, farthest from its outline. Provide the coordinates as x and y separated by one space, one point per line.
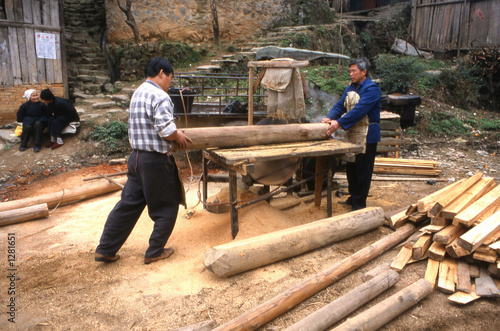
235 257
23 214
251 135
473 238
330 314
469 197
426 203
65 196
390 308
483 205
285 301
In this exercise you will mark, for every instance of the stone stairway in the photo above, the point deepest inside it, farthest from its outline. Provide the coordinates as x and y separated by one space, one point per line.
88 73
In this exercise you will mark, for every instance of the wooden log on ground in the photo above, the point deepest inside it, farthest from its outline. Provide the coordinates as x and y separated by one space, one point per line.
330 314
482 187
238 256
65 196
473 238
283 302
478 208
372 273
253 135
23 214
455 193
390 308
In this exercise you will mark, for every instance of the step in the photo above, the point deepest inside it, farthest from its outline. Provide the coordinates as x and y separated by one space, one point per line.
103 105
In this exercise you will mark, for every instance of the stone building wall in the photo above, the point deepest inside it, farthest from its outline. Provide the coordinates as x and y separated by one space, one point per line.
190 21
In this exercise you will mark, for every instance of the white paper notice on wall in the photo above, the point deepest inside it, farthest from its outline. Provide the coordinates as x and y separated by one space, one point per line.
46 45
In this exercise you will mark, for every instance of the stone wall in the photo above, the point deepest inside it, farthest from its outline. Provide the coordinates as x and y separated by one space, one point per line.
12 99
190 21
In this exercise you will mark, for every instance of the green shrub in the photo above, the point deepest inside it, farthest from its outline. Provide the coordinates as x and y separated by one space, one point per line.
113 135
459 86
397 73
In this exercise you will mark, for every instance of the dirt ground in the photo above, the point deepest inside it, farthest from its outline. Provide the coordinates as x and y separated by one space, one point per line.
59 286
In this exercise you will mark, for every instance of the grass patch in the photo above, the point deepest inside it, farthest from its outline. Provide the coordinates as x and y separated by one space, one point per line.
113 136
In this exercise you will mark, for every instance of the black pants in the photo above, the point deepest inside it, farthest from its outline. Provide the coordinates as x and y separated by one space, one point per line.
35 130
359 176
153 181
57 125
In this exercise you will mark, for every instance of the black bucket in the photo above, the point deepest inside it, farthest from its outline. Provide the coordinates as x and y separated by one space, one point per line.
175 95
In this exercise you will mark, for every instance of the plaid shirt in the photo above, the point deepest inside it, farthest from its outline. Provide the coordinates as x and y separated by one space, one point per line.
151 119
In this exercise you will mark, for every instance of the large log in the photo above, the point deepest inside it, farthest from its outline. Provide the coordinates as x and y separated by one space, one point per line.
252 135
390 308
23 214
238 256
283 302
65 196
346 304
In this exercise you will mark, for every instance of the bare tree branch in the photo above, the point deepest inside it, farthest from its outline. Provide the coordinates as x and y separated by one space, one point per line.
130 18
215 21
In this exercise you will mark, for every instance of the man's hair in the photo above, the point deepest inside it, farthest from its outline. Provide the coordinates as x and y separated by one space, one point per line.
363 64
154 66
47 95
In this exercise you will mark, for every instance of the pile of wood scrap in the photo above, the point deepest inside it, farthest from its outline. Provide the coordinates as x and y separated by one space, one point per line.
460 237
387 165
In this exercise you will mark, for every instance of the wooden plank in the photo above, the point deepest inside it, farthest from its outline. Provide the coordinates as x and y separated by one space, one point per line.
485 286
432 228
30 44
436 220
396 218
55 21
426 203
496 246
473 238
478 208
448 275
463 284
449 233
14 57
485 254
482 187
464 298
418 217
49 64
458 190
22 51
455 250
437 251
6 76
432 271
40 63
474 270
420 248
401 259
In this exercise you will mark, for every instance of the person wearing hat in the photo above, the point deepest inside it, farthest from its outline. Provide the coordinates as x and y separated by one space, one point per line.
34 115
62 113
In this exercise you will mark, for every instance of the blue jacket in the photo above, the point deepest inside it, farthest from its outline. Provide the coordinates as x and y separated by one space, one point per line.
369 104
30 112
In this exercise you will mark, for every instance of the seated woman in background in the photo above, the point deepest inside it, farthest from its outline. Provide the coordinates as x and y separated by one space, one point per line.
34 115
62 113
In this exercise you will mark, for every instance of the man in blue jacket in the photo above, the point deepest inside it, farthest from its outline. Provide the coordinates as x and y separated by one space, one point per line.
367 94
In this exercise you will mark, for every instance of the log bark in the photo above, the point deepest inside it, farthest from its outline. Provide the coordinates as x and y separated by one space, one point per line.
235 257
343 306
390 308
283 302
251 135
23 214
66 196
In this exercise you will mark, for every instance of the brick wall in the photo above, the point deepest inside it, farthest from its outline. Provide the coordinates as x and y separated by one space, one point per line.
11 98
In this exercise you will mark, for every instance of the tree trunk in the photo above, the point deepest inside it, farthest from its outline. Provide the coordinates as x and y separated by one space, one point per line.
23 214
384 312
343 306
215 22
65 196
251 135
278 305
235 257
130 19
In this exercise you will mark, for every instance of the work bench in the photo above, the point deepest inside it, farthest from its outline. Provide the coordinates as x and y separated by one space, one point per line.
241 160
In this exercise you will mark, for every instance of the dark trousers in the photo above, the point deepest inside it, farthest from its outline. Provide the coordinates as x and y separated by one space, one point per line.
35 130
359 176
153 181
57 125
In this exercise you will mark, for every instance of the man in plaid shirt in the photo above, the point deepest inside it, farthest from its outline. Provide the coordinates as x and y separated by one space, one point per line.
153 178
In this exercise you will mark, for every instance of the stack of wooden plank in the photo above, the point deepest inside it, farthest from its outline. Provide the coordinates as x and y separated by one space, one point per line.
390 131
460 237
387 165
